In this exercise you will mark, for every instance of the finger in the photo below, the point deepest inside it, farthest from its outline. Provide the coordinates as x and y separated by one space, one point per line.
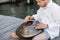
37 27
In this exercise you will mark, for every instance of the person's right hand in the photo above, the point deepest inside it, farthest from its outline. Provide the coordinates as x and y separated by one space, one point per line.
28 18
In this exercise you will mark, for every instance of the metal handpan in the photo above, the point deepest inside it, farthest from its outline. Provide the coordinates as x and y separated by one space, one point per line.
27 29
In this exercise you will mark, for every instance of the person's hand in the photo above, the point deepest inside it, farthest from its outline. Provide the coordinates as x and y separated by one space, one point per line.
41 26
28 18
13 35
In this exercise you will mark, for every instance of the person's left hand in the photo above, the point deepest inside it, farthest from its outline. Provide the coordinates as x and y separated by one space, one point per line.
41 26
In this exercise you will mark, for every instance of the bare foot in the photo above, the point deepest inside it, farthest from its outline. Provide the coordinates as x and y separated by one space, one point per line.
13 35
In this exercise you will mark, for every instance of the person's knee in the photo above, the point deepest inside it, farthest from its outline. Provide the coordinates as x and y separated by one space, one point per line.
39 38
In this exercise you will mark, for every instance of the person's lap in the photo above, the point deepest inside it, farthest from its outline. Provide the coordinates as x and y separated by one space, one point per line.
42 36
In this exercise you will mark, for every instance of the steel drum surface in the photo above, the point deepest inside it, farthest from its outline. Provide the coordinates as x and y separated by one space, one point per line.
27 29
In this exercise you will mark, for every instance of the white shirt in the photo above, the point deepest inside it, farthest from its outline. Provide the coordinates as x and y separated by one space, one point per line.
50 15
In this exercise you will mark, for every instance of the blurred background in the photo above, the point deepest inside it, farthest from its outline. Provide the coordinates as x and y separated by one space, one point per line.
19 8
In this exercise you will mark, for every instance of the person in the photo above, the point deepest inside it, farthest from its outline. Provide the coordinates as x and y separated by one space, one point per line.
48 16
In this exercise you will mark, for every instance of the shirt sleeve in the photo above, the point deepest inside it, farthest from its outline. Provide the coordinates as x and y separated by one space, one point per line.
54 25
36 16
